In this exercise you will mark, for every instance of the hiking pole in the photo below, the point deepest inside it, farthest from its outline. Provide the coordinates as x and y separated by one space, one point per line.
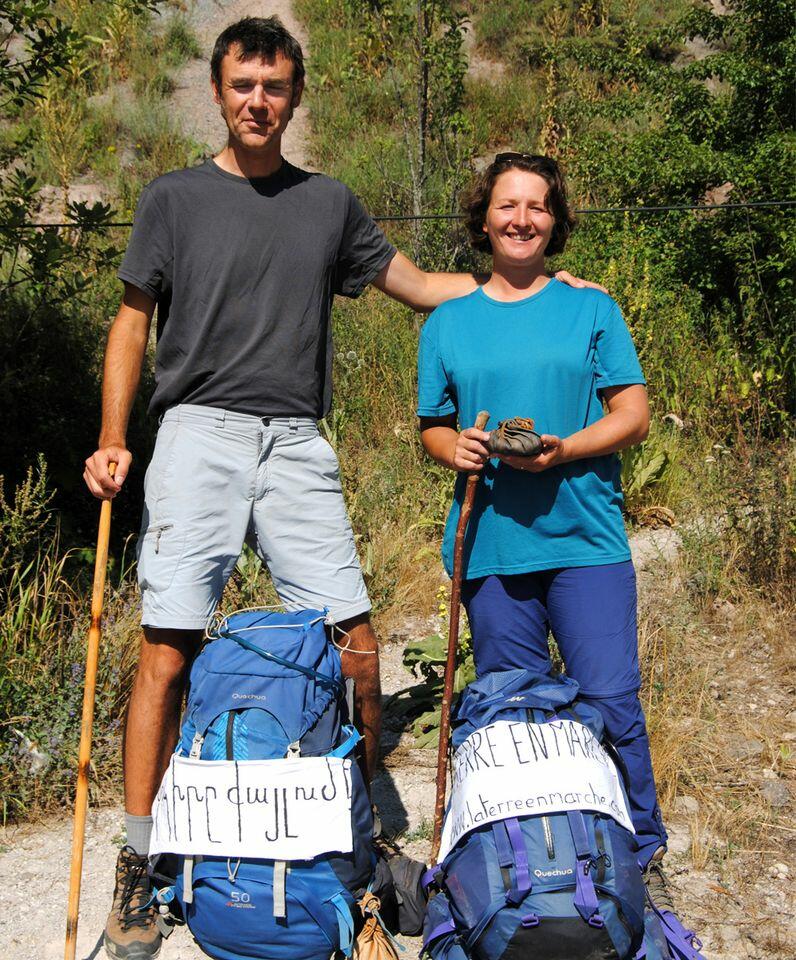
87 723
453 642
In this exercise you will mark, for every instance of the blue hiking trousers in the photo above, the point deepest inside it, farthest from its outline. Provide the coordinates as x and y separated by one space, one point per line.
591 612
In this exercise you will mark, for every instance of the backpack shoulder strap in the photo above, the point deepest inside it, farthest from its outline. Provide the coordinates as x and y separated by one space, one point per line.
585 899
352 738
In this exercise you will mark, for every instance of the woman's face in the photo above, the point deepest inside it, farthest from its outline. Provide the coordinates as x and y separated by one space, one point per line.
518 224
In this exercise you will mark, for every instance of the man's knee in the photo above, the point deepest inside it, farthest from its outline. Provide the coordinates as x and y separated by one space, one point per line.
359 653
165 656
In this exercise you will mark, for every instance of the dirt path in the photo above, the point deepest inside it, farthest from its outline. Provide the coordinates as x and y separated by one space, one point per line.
193 102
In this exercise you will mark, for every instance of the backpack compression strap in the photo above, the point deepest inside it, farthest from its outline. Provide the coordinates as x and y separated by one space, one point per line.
279 888
443 929
321 678
451 947
353 736
345 923
511 852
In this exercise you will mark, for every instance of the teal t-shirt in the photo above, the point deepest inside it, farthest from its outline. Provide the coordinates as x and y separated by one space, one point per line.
547 357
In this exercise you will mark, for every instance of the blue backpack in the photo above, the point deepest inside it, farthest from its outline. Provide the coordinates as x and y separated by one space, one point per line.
561 886
266 686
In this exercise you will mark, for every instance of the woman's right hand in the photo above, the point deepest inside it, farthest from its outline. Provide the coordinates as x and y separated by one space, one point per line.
470 452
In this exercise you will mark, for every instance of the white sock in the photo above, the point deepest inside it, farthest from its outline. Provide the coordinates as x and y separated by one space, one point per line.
139 831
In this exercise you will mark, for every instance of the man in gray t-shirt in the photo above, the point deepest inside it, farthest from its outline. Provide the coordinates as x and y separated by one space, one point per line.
244 270
242 257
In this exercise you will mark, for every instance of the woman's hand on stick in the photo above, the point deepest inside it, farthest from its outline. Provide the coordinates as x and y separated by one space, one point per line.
470 452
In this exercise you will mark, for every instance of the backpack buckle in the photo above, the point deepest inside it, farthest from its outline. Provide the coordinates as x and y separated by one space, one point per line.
432 877
595 862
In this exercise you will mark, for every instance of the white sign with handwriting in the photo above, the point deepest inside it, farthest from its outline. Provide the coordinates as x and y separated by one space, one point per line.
292 809
517 769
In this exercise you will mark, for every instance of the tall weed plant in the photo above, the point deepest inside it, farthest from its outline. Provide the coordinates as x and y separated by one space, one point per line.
44 616
741 532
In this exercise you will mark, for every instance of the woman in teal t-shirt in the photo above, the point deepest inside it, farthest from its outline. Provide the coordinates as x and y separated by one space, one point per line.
546 547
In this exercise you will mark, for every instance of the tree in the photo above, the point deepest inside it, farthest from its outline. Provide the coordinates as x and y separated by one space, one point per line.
51 333
697 110
416 49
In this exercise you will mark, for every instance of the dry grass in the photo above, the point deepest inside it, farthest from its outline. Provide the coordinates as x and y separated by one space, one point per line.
719 678
416 572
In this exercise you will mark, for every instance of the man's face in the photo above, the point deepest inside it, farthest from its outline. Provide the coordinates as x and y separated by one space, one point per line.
257 98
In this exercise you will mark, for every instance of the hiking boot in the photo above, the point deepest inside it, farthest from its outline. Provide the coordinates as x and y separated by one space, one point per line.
657 883
132 931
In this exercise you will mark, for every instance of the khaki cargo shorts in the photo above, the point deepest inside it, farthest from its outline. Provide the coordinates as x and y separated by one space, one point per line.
218 479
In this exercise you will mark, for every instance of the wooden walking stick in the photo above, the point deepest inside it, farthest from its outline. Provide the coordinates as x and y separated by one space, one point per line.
453 642
84 755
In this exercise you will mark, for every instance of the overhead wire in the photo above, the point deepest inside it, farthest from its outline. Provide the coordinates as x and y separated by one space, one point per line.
382 218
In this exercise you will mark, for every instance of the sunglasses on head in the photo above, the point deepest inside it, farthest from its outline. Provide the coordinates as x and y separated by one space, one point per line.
514 157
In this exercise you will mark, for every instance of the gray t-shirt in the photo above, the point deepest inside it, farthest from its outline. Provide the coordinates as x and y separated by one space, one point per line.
244 273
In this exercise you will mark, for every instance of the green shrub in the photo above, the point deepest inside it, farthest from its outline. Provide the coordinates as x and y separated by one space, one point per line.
426 658
179 42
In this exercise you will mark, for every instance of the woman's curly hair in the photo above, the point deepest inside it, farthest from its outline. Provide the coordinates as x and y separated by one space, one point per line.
475 200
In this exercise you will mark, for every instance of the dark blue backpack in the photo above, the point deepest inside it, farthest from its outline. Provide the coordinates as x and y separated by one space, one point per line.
562 886
266 686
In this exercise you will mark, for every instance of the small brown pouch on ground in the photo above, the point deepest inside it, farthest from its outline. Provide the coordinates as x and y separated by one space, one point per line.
515 438
373 942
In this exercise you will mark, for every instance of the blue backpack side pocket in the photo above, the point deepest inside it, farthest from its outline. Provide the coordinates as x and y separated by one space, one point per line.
232 911
440 939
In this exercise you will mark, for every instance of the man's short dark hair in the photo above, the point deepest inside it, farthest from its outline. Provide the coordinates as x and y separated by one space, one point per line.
475 201
261 37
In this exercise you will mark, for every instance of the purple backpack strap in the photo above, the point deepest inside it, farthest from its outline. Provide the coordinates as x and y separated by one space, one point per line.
503 850
510 849
431 876
585 899
441 929
522 884
683 944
